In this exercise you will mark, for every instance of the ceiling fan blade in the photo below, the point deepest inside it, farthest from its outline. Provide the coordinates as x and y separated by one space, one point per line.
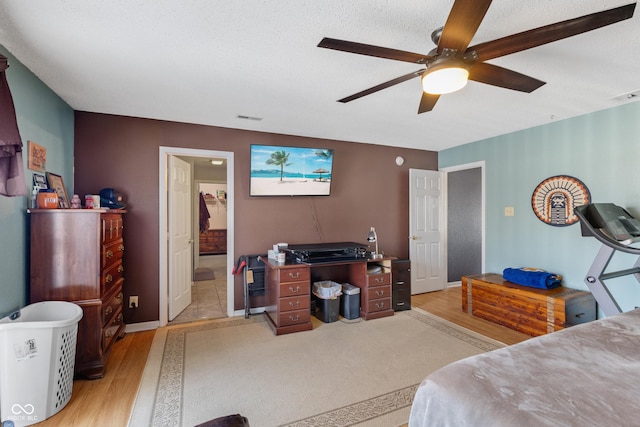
382 86
463 22
427 102
550 33
502 77
370 50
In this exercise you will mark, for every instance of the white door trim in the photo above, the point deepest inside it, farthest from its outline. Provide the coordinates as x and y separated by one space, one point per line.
165 152
479 164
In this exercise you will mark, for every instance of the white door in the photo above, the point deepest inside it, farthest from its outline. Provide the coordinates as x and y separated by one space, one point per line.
180 241
426 231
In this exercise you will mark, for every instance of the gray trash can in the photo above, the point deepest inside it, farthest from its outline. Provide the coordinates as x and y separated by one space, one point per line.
350 304
37 360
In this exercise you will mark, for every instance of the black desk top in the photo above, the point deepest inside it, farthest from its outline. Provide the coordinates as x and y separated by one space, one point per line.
323 247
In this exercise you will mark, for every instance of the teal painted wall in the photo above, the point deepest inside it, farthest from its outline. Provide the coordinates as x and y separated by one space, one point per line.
46 119
601 149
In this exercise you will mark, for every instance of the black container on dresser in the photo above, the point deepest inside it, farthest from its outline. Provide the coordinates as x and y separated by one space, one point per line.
76 256
401 284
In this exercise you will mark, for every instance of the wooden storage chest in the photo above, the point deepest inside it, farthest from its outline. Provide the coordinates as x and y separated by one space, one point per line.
529 310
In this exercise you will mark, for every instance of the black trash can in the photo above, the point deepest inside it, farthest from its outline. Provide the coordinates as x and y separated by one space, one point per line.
327 308
350 304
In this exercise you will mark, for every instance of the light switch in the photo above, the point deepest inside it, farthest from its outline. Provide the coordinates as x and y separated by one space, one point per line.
508 211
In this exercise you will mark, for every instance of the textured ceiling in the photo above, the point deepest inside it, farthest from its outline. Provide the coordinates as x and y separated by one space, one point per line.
208 62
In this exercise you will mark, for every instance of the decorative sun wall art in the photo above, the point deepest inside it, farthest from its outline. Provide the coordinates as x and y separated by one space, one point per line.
555 199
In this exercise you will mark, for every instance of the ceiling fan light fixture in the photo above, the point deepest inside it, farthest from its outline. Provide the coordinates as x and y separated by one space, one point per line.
445 77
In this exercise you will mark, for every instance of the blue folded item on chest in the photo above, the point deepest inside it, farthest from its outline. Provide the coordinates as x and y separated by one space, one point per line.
532 277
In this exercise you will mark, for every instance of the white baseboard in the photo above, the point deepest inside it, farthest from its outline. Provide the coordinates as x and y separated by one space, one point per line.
256 310
144 326
454 284
147 326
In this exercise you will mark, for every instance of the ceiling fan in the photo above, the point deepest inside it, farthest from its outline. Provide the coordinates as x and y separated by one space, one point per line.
454 57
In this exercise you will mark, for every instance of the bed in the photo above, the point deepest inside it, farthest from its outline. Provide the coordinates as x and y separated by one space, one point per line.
586 375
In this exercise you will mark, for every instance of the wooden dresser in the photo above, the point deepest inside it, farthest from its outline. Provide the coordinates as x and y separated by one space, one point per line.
76 256
288 297
529 310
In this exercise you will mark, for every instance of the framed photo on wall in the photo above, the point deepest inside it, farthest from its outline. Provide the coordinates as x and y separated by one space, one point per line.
56 183
37 157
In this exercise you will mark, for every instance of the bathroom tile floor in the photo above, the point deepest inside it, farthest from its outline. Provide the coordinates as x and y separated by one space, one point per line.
208 297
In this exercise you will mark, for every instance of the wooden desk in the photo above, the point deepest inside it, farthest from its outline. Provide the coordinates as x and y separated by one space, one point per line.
288 289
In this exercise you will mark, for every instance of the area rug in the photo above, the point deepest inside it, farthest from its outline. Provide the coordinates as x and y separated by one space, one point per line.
203 273
345 373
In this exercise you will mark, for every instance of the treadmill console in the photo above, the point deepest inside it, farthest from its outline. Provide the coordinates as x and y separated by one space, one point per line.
614 221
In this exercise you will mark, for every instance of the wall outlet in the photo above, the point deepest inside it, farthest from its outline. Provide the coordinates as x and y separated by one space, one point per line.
133 301
509 211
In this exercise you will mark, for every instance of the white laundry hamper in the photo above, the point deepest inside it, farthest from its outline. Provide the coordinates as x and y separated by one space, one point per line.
37 360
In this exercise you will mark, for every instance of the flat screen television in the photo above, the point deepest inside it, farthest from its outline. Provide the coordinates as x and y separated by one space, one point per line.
290 171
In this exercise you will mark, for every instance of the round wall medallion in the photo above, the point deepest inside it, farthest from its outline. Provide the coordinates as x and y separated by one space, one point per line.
554 200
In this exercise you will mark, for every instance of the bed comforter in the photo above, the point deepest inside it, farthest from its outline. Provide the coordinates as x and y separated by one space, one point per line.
586 375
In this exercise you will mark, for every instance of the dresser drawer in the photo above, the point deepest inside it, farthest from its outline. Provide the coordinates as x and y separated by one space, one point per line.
112 276
112 227
295 317
111 252
112 330
293 275
112 306
294 289
294 303
378 279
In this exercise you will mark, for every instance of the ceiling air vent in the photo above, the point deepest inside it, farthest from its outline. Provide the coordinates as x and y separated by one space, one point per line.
635 95
257 119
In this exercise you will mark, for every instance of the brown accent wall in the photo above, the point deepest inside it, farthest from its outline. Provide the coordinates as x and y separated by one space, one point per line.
368 189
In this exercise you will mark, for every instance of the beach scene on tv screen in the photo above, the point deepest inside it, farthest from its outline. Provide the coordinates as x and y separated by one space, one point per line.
290 171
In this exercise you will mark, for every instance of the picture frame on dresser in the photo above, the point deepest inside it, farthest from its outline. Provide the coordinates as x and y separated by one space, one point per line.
56 183
40 181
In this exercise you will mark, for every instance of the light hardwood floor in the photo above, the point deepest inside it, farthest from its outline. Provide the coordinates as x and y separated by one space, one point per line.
108 401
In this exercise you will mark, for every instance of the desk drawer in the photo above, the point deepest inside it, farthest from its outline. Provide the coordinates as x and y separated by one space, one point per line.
378 305
379 292
293 317
379 279
293 275
294 289
294 303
